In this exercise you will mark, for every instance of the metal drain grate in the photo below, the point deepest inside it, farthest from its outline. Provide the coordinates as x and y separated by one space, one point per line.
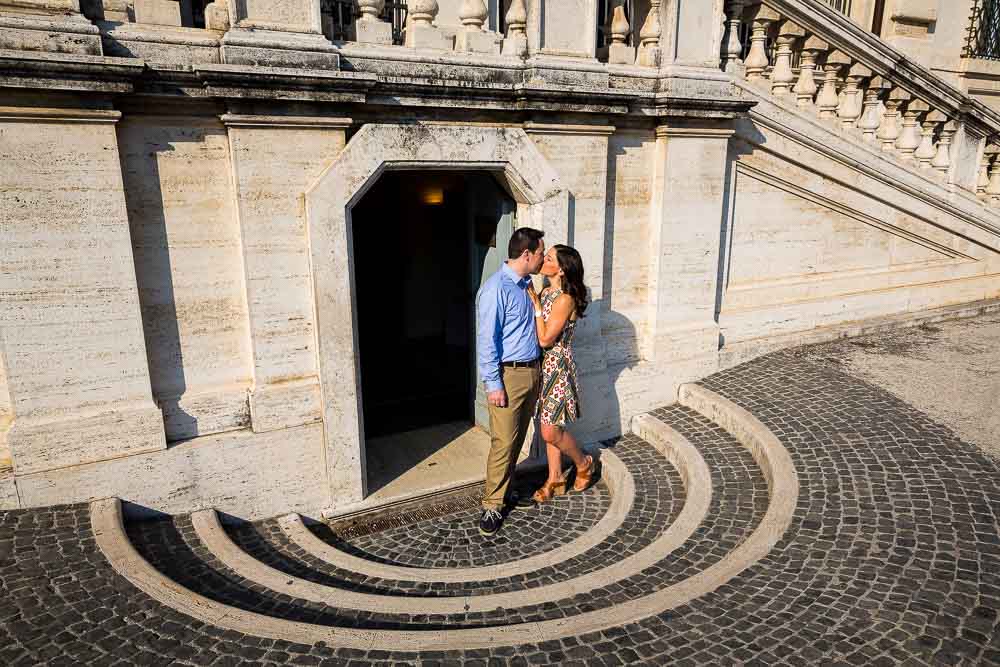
405 516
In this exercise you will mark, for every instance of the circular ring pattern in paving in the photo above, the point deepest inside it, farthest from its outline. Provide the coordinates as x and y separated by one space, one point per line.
890 556
621 592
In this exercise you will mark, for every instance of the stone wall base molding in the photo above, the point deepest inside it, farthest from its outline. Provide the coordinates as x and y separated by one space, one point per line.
250 476
286 404
40 445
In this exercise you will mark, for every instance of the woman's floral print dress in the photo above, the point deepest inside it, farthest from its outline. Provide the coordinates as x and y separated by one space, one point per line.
557 402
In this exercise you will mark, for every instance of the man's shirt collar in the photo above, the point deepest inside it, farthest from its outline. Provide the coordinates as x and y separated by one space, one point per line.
514 278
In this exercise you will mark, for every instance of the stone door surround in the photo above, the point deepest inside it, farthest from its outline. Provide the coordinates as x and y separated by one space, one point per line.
542 203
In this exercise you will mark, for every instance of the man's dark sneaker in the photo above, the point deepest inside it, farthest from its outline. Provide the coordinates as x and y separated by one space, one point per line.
514 499
489 521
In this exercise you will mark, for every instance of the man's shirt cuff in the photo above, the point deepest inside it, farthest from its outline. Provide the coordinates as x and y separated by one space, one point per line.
493 385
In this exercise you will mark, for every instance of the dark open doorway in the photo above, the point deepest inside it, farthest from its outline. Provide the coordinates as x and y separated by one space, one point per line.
423 240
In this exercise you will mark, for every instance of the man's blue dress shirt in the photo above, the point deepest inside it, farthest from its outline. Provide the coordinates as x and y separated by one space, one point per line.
506 327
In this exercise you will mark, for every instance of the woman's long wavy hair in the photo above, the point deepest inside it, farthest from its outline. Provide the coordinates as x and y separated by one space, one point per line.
572 282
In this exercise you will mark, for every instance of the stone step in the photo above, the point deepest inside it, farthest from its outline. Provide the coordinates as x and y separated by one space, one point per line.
397 607
724 525
624 529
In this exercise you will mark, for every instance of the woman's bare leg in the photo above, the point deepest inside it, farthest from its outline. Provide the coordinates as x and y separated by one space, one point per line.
562 441
554 457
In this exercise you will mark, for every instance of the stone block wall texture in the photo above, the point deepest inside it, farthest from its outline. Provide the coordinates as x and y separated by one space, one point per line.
189 268
77 372
273 168
175 323
821 245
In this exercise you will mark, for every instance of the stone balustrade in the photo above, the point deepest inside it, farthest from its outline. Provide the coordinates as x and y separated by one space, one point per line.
461 26
813 59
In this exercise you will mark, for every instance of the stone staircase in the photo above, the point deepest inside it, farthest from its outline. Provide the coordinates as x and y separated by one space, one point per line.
685 503
805 58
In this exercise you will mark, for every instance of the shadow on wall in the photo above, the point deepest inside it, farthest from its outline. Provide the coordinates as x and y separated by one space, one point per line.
609 346
155 268
743 142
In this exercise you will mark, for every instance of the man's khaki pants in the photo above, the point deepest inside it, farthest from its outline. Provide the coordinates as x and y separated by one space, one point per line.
509 426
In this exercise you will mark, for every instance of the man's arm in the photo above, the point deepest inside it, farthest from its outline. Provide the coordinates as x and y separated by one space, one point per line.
489 331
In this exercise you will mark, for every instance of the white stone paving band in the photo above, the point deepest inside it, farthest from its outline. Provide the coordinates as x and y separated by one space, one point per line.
615 473
767 450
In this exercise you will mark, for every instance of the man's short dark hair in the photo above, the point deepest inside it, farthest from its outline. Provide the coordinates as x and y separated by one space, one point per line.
523 239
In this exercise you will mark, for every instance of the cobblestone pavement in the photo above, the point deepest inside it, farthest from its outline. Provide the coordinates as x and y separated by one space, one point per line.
948 370
893 556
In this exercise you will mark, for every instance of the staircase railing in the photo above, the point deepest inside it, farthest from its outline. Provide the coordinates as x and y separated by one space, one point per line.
810 55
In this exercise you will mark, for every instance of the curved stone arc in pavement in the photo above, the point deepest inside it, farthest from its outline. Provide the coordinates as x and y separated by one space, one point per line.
691 466
109 531
616 474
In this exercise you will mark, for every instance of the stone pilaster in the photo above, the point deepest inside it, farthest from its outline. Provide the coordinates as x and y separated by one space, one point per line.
275 159
47 25
579 154
691 185
76 366
278 33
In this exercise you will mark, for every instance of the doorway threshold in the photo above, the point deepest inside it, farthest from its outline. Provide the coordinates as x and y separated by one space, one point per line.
418 465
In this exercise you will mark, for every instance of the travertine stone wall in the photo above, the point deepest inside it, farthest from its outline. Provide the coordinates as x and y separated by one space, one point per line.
249 475
189 268
76 360
579 154
822 245
626 272
275 160
691 179
6 413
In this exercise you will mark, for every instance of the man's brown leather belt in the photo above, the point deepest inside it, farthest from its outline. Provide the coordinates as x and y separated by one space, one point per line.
519 364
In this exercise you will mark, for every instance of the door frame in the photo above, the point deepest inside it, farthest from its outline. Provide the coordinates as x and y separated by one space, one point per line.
542 202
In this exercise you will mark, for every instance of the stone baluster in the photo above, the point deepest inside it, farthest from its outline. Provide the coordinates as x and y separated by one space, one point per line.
422 12
993 187
828 100
732 48
619 52
472 14
649 37
925 152
942 159
805 88
516 41
909 137
850 108
984 171
888 131
369 28
782 76
870 120
760 18
473 38
421 33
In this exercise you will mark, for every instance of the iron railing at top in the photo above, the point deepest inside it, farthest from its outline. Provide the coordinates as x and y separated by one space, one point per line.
984 31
